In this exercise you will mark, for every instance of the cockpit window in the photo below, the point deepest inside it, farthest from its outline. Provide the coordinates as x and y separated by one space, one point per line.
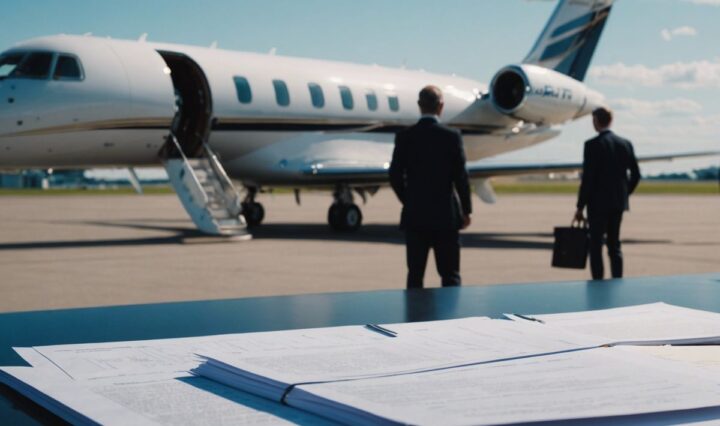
35 65
9 62
67 68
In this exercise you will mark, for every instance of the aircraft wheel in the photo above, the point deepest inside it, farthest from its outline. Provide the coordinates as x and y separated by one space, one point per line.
254 213
344 217
352 217
334 217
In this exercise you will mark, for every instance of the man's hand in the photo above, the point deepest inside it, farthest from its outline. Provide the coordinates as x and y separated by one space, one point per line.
579 216
466 221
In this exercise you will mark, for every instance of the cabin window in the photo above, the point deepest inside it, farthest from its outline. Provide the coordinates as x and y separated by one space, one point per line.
67 68
372 102
316 95
9 62
346 97
35 65
282 95
242 88
394 103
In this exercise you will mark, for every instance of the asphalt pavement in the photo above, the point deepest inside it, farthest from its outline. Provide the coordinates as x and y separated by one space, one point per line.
98 250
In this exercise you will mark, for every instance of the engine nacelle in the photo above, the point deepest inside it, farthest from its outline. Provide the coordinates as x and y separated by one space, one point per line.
540 95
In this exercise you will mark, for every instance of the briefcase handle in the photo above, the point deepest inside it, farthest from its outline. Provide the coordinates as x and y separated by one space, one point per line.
580 224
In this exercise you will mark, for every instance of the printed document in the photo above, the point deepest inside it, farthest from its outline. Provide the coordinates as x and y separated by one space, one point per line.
655 323
572 385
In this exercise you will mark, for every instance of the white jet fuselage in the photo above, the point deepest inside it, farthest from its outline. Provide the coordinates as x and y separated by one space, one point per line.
121 110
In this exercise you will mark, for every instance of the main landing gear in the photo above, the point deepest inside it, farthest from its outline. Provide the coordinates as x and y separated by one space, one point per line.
252 210
344 214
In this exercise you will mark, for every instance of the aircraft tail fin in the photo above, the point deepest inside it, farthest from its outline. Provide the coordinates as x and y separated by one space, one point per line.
568 42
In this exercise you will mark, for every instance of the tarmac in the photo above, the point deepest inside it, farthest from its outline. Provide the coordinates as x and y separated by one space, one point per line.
99 250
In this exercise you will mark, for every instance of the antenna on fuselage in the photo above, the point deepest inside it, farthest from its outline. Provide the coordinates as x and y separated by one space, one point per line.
143 37
87 34
213 45
272 51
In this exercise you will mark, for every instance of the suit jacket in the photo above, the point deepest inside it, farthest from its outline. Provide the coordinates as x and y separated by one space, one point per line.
428 174
610 173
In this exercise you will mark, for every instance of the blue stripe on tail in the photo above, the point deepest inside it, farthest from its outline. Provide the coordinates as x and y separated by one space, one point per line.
575 23
579 47
577 63
568 47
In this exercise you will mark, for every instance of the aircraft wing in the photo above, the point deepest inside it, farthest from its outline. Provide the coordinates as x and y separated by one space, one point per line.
352 172
480 170
369 173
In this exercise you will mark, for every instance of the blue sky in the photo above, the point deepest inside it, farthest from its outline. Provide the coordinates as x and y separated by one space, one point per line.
658 62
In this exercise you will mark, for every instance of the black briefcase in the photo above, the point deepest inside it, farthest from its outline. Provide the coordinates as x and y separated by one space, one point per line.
571 246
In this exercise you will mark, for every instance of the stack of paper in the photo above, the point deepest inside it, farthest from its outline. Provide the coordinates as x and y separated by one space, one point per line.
418 347
465 371
651 324
139 383
573 385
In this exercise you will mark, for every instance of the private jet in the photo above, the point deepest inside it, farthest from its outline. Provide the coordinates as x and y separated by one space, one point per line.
215 118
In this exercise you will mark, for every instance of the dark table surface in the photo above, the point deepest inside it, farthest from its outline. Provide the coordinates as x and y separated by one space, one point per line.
184 319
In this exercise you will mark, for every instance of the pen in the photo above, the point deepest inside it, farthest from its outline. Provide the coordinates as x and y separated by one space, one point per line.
382 330
525 317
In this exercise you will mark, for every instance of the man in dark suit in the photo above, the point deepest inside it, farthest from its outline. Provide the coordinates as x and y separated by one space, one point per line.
428 176
610 174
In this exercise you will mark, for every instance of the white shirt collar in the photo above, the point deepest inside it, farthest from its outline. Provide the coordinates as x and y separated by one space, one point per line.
434 117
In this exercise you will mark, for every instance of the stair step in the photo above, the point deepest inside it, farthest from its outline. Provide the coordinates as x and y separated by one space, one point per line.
200 167
206 197
228 227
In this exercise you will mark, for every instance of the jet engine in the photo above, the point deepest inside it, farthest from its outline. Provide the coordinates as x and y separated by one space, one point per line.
540 95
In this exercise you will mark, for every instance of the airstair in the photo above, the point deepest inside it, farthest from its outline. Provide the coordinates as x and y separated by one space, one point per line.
206 192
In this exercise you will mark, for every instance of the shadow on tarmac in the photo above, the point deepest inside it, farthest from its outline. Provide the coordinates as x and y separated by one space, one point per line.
371 233
390 234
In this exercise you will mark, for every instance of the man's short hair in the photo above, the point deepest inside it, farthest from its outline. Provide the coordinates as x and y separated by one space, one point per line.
604 116
430 98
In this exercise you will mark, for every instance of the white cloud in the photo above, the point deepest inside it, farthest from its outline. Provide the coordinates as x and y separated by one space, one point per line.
669 107
706 2
708 121
684 75
684 31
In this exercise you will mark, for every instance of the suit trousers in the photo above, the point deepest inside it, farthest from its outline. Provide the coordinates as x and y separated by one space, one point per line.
446 247
605 224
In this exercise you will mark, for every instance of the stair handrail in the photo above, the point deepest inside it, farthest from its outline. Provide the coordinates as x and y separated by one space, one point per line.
178 146
229 193
189 169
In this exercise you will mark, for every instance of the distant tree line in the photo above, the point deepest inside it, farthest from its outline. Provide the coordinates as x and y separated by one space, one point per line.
709 173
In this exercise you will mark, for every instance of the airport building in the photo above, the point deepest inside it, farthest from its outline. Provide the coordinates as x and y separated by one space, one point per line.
76 178
25 179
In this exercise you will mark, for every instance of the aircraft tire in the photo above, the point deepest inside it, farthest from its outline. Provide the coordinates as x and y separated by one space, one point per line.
254 213
351 217
344 217
334 217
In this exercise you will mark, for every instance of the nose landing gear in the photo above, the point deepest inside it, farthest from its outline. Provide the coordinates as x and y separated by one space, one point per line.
344 214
